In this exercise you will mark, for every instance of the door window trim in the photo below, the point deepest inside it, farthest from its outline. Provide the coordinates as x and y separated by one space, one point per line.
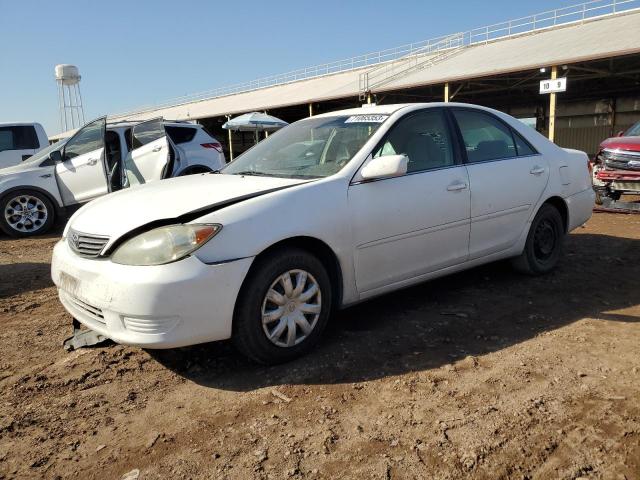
512 131
458 159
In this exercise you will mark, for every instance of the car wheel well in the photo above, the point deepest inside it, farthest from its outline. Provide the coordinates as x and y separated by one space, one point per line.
319 249
561 206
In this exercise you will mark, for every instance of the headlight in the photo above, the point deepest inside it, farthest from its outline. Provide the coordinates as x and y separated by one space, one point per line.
164 244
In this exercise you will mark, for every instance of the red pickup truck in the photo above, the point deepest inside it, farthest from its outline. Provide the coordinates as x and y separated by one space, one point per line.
616 168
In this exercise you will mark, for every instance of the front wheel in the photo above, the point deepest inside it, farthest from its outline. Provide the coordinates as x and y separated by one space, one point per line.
25 213
283 307
543 247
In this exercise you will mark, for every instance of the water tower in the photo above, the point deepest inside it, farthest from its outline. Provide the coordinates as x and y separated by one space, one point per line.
69 97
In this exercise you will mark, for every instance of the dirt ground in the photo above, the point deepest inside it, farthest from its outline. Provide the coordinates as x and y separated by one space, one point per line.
485 374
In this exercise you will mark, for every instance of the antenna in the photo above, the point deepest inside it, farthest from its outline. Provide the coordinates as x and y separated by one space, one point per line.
69 97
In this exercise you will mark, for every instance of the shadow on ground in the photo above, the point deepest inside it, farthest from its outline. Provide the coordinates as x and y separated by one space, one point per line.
18 278
424 327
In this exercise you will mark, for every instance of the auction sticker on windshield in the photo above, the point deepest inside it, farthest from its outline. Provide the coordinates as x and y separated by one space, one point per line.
366 119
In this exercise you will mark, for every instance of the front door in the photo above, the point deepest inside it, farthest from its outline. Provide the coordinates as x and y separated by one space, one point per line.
408 226
81 175
150 156
507 178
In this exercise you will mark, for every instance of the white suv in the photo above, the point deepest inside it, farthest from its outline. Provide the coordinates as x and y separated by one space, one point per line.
98 159
18 141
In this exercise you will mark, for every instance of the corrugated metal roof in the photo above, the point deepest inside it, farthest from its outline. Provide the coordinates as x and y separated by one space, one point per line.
605 37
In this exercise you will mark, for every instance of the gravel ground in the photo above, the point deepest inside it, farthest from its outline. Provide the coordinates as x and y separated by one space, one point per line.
484 374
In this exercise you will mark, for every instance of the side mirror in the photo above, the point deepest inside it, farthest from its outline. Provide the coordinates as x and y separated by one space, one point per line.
56 156
620 133
385 167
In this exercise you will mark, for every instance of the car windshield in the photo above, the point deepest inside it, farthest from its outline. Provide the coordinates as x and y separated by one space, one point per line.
311 148
633 131
44 153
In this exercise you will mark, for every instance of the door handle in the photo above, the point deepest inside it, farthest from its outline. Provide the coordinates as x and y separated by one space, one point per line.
537 170
454 187
157 149
92 161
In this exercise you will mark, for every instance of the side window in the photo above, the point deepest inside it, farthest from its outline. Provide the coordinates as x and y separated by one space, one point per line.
88 139
6 139
181 134
424 137
147 132
22 137
485 138
523 146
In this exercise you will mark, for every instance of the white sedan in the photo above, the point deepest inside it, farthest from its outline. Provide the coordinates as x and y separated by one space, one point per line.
330 211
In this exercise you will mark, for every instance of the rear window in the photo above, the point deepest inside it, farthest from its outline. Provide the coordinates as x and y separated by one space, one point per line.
181 134
18 138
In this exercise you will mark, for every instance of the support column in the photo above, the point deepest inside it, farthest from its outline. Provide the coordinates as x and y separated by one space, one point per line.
446 92
552 107
230 141
311 109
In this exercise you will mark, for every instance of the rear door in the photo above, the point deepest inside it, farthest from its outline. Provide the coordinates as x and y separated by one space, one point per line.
81 175
150 157
507 177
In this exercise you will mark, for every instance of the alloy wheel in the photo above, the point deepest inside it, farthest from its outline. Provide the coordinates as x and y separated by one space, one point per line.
25 213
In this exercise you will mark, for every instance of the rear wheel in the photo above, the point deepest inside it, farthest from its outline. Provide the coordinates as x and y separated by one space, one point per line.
543 247
25 213
283 307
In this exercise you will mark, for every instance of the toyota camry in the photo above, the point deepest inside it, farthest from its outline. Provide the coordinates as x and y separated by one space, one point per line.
330 211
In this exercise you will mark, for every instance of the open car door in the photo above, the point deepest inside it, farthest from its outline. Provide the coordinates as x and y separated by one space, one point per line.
151 156
81 175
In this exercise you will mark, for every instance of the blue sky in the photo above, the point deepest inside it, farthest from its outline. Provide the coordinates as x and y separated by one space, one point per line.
133 53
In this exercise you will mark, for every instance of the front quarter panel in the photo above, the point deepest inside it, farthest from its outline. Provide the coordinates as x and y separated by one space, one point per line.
40 178
317 209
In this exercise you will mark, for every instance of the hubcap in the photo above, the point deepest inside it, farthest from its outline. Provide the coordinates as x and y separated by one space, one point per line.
544 240
291 308
25 213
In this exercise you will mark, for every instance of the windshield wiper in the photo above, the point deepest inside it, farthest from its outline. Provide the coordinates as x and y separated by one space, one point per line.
251 172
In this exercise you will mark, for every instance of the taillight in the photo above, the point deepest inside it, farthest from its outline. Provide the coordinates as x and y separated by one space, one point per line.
215 145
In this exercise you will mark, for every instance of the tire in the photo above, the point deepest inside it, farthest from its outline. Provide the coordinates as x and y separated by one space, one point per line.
598 196
41 216
543 247
250 333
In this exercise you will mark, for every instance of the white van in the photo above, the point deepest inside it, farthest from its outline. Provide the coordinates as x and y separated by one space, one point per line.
18 141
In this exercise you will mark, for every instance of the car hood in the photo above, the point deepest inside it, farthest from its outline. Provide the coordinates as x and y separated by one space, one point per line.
174 199
23 168
622 143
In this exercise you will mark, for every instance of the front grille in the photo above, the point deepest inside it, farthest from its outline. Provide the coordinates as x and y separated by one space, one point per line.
86 245
622 160
82 308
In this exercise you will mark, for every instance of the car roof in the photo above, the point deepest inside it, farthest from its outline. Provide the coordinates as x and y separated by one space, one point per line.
131 123
390 109
17 124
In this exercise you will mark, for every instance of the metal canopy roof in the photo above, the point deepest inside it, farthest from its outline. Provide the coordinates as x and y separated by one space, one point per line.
603 38
592 39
